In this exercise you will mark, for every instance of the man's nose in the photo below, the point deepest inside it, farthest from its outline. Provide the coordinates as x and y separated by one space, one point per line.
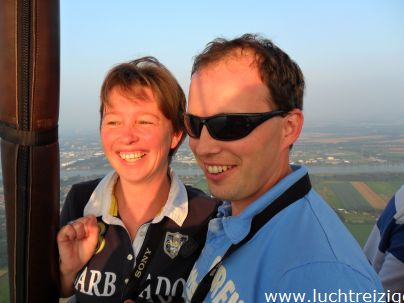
205 144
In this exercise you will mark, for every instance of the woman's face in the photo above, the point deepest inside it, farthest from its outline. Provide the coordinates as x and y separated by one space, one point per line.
136 136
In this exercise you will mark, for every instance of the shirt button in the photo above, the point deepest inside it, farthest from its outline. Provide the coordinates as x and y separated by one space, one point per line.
130 257
126 281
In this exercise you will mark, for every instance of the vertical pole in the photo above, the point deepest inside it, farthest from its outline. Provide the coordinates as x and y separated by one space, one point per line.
29 106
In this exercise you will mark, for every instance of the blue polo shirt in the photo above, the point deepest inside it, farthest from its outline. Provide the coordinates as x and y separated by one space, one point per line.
304 249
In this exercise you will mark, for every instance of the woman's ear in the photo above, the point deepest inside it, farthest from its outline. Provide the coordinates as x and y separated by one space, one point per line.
176 138
292 127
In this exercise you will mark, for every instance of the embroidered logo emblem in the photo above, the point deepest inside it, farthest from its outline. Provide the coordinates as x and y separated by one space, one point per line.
173 243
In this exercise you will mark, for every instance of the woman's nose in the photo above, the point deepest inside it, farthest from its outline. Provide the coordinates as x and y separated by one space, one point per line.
129 134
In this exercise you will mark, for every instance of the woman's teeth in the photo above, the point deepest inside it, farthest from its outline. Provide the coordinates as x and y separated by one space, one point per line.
131 157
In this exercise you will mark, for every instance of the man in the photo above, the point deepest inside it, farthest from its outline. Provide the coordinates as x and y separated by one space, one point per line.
244 114
385 246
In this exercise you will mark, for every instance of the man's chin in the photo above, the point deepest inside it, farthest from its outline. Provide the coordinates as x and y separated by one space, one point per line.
221 193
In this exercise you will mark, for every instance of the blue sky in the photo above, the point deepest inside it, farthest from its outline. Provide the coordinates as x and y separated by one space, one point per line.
351 52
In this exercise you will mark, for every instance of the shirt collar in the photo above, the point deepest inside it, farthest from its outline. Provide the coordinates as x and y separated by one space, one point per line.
238 227
176 207
100 200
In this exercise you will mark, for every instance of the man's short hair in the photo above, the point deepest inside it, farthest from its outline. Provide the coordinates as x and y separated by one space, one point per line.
281 74
147 72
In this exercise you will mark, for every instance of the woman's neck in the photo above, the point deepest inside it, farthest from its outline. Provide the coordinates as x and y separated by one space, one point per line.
140 203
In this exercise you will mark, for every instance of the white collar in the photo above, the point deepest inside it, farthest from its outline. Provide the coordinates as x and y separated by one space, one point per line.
176 206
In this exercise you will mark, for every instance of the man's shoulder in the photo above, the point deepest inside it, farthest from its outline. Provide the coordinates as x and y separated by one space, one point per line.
310 231
326 227
310 208
330 276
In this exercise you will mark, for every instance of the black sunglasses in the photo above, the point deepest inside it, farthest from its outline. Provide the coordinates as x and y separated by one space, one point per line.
228 127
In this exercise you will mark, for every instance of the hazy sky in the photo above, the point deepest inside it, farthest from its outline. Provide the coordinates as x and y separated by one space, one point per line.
351 52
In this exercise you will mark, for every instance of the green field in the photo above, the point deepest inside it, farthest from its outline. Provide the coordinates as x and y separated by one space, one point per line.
324 189
385 189
347 197
360 231
357 214
339 193
4 291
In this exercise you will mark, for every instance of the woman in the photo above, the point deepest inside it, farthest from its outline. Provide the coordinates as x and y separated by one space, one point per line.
137 232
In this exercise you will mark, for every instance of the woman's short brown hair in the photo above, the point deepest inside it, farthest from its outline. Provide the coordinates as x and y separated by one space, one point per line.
148 72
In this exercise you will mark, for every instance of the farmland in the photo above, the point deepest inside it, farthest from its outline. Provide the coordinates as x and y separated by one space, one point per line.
354 206
348 197
373 198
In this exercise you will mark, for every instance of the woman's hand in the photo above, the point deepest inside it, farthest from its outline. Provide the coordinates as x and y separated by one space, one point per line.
76 243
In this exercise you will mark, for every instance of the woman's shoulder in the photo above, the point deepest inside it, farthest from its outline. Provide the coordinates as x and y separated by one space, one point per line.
196 193
201 204
77 199
86 185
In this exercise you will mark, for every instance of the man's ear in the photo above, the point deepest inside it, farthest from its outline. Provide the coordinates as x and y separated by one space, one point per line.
176 139
292 127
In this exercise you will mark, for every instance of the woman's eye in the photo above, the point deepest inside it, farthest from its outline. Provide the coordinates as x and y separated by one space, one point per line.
146 122
112 123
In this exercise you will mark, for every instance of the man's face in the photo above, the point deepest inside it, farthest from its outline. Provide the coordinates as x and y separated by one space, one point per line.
240 170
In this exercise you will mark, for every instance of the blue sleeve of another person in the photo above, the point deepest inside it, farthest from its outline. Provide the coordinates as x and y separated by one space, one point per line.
385 245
